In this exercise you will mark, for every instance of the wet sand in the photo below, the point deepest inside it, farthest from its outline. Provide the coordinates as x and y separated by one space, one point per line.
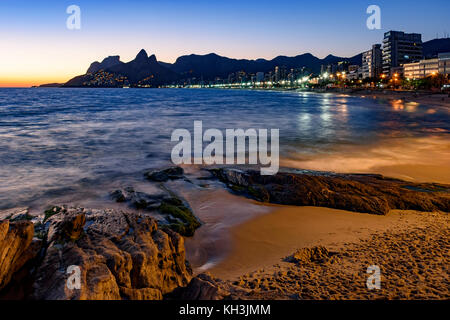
402 97
424 159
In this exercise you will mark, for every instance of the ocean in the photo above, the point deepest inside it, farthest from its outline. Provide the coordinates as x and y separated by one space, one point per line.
57 142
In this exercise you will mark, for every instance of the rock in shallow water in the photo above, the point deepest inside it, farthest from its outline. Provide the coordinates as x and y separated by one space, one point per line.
354 192
179 217
164 175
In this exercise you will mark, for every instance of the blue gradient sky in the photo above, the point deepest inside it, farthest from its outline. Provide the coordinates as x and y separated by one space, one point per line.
35 43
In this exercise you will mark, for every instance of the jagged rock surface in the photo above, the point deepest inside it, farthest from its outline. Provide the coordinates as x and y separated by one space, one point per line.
121 255
15 248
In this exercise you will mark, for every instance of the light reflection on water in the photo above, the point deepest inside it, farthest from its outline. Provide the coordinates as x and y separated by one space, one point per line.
87 141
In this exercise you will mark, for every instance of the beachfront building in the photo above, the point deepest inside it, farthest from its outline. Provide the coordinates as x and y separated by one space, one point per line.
400 48
428 67
412 70
353 72
444 63
372 62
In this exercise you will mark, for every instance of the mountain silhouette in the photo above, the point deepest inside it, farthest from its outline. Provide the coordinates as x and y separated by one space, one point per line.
108 62
143 70
147 71
210 66
433 47
143 67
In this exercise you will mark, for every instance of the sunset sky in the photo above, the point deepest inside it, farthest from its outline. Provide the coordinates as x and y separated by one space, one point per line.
36 47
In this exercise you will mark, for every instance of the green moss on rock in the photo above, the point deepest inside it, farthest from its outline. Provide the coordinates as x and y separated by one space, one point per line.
185 222
51 212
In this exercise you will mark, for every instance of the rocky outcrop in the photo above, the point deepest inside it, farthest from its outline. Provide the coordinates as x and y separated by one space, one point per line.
354 192
119 255
15 214
138 199
16 248
177 214
164 175
76 253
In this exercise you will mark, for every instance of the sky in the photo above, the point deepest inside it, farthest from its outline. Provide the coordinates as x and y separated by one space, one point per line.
36 46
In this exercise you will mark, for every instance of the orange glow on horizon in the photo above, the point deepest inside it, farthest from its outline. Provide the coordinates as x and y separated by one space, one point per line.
29 82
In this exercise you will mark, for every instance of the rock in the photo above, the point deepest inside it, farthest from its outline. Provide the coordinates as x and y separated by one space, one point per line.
354 192
15 214
66 227
179 217
171 173
118 196
51 212
120 255
139 200
15 248
202 287
315 254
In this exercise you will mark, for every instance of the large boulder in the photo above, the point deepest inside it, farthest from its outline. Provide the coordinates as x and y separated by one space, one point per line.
368 193
119 255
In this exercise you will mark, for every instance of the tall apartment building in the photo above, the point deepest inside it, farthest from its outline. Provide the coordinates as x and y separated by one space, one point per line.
400 48
372 62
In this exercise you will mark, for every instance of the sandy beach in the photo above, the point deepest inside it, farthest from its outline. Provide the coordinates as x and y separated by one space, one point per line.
403 243
412 255
266 240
